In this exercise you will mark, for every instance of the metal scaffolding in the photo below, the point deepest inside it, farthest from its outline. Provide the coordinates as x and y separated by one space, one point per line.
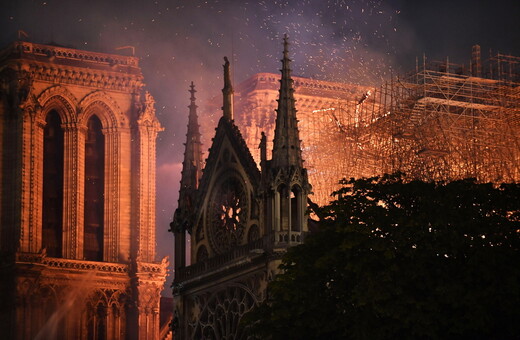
442 123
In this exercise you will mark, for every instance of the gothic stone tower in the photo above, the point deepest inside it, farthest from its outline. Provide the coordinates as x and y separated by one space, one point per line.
241 220
77 209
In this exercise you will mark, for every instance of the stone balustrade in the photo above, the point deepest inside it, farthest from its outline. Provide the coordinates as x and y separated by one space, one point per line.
263 244
70 53
71 264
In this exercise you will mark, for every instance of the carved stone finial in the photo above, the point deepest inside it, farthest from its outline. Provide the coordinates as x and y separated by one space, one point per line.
227 73
285 46
227 92
286 143
25 87
147 112
149 99
192 91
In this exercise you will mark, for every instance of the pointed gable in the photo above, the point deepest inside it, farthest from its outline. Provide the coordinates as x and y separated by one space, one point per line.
227 207
228 138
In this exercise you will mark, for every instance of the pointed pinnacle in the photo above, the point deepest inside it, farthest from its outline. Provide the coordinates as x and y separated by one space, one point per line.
285 46
227 74
192 91
227 92
286 144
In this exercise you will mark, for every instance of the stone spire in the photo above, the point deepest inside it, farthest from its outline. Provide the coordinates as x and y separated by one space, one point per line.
285 172
286 150
227 92
192 165
190 176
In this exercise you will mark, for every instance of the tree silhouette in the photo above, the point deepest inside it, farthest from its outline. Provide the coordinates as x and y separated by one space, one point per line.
397 259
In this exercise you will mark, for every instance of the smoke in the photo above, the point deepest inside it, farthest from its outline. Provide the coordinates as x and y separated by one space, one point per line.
179 41
70 308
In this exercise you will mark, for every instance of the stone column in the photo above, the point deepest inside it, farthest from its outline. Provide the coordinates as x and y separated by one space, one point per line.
145 200
148 296
148 281
31 181
112 193
73 189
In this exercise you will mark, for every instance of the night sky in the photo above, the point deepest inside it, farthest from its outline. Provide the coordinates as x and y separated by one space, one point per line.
359 41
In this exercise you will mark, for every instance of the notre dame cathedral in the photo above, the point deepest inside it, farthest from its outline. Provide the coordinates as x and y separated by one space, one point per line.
77 202
240 219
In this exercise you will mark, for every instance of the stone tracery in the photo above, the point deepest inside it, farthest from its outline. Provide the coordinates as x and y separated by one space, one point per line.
228 214
219 313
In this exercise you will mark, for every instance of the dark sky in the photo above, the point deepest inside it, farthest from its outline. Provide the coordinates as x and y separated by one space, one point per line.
185 40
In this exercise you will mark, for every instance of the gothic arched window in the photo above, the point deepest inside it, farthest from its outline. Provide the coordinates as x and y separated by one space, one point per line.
52 226
96 322
296 209
94 190
282 208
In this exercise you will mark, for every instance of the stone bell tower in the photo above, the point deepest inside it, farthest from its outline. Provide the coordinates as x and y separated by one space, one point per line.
77 196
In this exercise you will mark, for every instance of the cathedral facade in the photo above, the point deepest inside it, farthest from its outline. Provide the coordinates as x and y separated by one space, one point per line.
77 209
240 219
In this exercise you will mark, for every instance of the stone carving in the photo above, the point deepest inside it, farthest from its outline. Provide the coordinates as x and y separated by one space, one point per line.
227 305
109 111
227 214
